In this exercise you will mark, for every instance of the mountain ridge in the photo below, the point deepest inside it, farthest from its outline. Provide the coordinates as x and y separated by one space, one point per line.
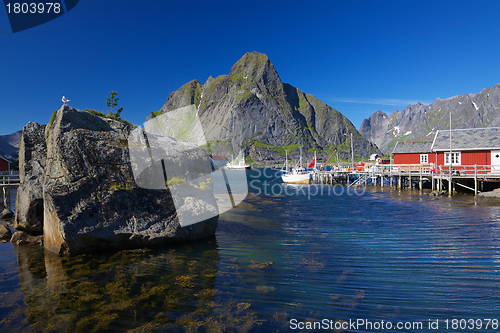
252 109
420 121
9 144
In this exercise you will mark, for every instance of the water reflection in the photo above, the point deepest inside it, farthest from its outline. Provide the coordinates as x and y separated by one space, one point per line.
380 255
160 290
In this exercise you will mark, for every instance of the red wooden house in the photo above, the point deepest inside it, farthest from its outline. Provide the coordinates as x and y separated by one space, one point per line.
413 152
467 151
474 148
4 164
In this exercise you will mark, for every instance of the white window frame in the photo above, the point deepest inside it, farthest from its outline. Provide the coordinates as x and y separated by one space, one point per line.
424 158
456 158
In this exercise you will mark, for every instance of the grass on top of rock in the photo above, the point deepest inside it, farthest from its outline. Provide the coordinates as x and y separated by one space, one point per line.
155 114
97 113
109 115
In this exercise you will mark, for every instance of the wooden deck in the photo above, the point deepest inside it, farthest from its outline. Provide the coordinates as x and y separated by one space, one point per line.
471 177
8 182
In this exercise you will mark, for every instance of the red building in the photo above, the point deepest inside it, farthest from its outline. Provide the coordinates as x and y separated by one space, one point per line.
4 164
467 151
413 152
218 161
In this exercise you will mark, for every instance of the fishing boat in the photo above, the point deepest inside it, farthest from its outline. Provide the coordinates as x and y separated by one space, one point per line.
239 163
297 175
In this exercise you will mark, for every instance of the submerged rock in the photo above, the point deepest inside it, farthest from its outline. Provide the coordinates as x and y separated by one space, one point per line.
5 232
438 193
29 200
91 199
491 195
22 238
6 214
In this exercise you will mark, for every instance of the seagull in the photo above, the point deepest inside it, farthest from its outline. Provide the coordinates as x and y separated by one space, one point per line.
65 100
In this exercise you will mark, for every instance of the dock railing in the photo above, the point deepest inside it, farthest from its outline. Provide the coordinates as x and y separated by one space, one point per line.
9 178
8 181
431 169
422 170
400 174
470 170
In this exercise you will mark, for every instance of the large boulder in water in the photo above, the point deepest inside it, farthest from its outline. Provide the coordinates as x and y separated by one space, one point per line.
91 198
29 200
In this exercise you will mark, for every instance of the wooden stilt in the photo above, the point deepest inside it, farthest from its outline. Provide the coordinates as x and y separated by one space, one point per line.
420 185
475 179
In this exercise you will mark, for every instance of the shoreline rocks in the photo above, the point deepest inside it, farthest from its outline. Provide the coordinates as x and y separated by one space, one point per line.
5 232
23 238
6 214
491 195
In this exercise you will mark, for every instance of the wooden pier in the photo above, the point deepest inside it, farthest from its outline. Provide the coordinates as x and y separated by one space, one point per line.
471 177
8 182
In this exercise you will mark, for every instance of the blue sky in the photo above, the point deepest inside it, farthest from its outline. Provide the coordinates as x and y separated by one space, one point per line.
357 56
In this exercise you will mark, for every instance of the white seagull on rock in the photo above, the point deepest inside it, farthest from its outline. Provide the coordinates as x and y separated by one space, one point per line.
65 100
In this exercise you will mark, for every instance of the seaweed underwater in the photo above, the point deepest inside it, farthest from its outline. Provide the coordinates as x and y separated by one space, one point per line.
134 290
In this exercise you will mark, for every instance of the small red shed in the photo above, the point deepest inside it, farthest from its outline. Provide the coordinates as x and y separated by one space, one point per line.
4 164
218 161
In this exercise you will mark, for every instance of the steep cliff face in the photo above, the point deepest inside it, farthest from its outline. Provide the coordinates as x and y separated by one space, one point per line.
252 107
420 122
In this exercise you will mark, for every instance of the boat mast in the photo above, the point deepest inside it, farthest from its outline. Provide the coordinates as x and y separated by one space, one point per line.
301 156
286 160
352 153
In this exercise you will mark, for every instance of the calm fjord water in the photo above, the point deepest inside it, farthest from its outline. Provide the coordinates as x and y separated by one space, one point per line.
297 255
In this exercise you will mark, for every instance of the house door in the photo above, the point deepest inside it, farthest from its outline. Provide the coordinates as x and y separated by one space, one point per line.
495 161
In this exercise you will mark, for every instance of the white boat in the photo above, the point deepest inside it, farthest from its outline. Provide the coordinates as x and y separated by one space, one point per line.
297 175
240 164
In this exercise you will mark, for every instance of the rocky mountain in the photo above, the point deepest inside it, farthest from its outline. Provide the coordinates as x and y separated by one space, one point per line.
9 144
420 122
251 109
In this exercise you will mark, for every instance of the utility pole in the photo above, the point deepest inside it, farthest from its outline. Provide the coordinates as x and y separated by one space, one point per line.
449 184
352 153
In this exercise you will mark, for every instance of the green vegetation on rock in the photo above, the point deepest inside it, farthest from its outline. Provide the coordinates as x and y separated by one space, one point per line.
104 115
281 150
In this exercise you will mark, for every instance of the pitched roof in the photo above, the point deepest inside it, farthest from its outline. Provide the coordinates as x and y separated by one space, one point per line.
218 158
412 147
4 159
467 139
